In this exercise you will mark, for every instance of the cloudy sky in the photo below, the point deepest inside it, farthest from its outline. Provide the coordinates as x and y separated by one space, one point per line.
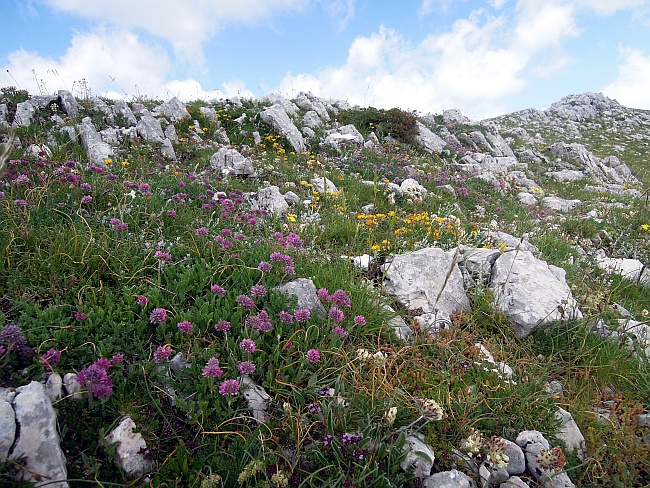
486 57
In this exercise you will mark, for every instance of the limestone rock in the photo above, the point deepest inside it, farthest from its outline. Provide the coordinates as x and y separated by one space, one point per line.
97 150
630 269
7 428
346 134
566 175
149 129
277 117
427 279
68 103
305 291
257 398
570 434
311 120
38 441
511 242
271 200
420 456
449 479
560 204
429 141
54 387
173 109
24 114
477 262
514 482
121 108
230 161
531 293
72 386
526 198
129 455
516 459
323 184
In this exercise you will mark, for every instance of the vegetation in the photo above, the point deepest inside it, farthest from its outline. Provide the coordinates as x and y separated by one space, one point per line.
162 275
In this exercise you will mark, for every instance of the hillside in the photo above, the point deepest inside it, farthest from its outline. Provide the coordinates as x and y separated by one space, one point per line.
274 292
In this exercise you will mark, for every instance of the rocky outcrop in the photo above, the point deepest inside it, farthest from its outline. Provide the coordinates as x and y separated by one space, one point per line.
277 117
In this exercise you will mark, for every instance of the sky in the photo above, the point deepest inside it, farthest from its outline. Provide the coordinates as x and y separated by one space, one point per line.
486 58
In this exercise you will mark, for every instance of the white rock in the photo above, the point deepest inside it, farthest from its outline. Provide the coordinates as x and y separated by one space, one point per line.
420 456
531 293
130 444
38 439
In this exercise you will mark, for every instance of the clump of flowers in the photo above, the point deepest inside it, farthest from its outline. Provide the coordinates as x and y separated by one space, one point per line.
491 451
158 316
96 379
313 356
12 339
50 358
251 470
431 410
229 388
212 369
186 327
552 459
163 353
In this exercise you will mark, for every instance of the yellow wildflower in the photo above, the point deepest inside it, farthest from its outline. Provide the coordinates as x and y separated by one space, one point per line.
291 217
108 161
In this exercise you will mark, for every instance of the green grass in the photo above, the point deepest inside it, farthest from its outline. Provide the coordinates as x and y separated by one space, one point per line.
73 278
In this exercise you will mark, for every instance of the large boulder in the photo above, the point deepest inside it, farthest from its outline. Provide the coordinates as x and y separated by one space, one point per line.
130 448
149 129
271 200
428 280
277 117
531 293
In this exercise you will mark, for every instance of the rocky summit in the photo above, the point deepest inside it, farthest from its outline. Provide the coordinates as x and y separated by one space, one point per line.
300 292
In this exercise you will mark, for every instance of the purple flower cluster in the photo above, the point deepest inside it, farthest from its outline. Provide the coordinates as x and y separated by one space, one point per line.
258 291
229 388
12 339
158 316
260 322
278 257
246 367
186 327
336 315
218 290
248 345
245 301
313 356
302 315
163 256
50 358
163 353
212 369
264 266
202 231
222 326
96 380
291 240
118 225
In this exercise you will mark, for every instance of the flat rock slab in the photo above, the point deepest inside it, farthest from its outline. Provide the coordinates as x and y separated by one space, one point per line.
531 293
428 279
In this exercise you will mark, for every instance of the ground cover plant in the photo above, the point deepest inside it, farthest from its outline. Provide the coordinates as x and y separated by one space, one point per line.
156 281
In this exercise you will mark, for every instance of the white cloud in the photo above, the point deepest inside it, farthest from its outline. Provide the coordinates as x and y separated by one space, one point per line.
343 10
542 24
608 7
631 85
195 22
128 66
428 6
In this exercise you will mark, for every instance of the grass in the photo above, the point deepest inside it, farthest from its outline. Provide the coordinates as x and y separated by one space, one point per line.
88 253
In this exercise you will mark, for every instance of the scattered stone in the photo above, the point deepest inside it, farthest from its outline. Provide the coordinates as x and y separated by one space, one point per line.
96 149
511 242
420 456
514 482
560 204
258 399
7 428
526 198
24 114
570 434
429 141
348 134
54 387
516 459
130 448
566 175
149 129
72 386
630 269
305 291
121 108
322 184
428 279
173 109
277 117
231 161
271 200
477 263
531 293
311 120
37 440
68 104
449 479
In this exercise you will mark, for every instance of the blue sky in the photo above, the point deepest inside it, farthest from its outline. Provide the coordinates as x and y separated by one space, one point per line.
485 57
